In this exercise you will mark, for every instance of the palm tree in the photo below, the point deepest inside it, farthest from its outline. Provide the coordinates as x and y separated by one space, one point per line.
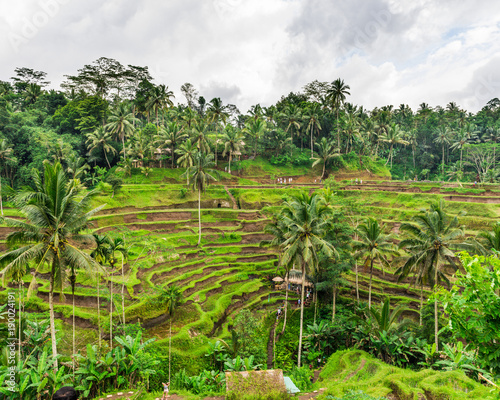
393 136
326 151
459 141
233 143
373 245
171 135
5 155
121 123
312 119
217 114
292 117
55 213
255 128
431 238
307 220
337 95
443 135
116 245
186 152
100 255
199 136
489 241
200 175
159 99
100 139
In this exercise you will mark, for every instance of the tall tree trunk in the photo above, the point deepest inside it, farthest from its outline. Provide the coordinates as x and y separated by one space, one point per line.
106 157
443 160
338 131
123 144
315 299
421 301
123 297
301 313
52 316
286 303
334 304
20 312
436 317
111 312
199 217
230 159
74 336
312 155
357 283
370 286
169 347
99 308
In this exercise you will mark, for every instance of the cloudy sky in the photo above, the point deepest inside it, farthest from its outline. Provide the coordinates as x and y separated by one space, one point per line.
255 51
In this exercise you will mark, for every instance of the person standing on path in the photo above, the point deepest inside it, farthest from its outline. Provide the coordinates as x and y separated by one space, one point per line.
165 390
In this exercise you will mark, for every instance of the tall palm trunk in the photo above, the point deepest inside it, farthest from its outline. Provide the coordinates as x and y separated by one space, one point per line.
286 303
110 314
436 317
230 159
312 155
99 308
338 130
443 160
123 144
421 300
334 304
357 283
370 286
123 297
20 312
74 336
199 217
52 316
301 314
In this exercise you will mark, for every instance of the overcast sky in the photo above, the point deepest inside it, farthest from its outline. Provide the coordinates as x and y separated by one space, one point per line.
255 51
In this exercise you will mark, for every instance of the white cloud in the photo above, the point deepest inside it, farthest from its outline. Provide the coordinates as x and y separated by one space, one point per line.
255 51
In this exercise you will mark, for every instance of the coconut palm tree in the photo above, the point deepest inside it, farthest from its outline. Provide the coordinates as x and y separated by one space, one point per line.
100 255
199 132
171 136
459 141
100 139
337 95
5 155
233 143
312 119
393 136
159 98
200 175
307 220
255 128
373 245
115 246
443 135
326 152
55 215
432 237
292 117
121 123
217 114
489 241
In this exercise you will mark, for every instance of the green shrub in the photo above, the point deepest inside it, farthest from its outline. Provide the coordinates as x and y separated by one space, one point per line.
356 395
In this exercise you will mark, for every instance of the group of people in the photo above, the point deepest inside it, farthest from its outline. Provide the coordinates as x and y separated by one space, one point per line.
356 181
284 180
69 393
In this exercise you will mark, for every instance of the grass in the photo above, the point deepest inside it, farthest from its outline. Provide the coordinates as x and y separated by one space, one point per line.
350 370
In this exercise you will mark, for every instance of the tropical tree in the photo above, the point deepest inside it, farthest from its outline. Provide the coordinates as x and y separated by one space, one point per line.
336 94
307 220
292 117
100 139
55 215
489 241
159 98
5 155
100 255
171 136
459 141
233 143
431 238
255 128
393 136
373 245
200 175
115 246
217 114
121 123
199 132
326 151
443 135
312 119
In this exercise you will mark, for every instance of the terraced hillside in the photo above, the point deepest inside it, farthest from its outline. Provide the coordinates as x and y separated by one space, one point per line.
229 271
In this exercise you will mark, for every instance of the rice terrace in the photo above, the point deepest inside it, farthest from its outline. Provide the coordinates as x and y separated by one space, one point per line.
309 249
